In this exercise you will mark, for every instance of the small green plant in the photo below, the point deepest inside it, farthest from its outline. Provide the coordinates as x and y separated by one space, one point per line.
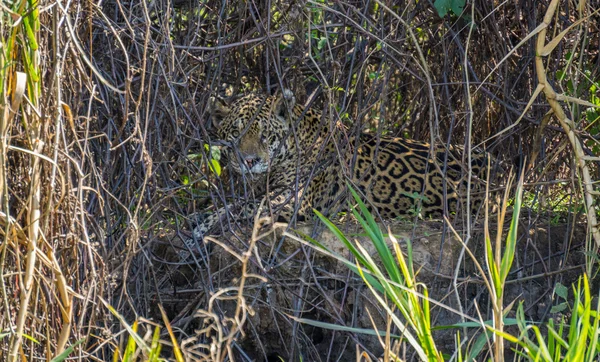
575 341
213 153
214 158
418 200
579 83
395 287
136 348
395 282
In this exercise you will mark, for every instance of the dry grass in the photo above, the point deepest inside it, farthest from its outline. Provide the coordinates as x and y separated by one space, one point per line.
102 103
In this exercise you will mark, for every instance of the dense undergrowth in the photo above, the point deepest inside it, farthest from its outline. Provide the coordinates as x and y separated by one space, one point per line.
107 154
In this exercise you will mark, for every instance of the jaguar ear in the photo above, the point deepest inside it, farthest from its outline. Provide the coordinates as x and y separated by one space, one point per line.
218 109
284 101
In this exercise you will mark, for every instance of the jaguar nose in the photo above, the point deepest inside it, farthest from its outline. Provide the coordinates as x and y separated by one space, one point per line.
251 161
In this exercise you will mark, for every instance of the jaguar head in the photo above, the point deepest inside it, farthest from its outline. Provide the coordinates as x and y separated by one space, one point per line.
255 126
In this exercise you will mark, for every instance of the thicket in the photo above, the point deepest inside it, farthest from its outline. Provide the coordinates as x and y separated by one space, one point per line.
104 132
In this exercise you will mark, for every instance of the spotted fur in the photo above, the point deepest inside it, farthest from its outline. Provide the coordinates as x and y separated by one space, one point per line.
308 165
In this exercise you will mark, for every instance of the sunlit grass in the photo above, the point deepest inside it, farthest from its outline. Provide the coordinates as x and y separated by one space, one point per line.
390 276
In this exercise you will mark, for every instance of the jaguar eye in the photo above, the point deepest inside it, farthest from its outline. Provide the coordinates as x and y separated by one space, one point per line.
235 133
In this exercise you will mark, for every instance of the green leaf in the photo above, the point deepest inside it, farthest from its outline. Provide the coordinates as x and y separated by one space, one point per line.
512 237
137 339
194 156
505 321
559 308
336 327
130 348
322 42
444 6
214 156
570 87
561 291
63 356
370 226
457 6
27 23
481 342
155 346
27 336
215 167
215 153
338 233
350 247
569 56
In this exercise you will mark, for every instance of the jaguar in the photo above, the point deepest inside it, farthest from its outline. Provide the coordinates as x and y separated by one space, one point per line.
305 161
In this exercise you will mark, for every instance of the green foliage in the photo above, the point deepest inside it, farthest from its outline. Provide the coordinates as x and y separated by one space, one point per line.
577 84
136 346
214 163
214 158
443 7
396 281
561 292
65 354
575 341
418 200
499 268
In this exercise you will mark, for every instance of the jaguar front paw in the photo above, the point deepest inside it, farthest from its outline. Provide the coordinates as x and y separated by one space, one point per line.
194 249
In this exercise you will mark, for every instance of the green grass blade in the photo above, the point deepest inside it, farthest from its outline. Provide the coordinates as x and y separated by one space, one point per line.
506 321
155 346
65 354
493 269
512 237
337 232
583 314
350 246
130 348
477 347
138 340
365 211
541 344
27 20
370 226
337 327
557 339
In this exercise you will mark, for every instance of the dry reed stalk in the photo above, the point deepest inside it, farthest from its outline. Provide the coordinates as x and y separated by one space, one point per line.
8 113
34 208
544 49
221 347
135 79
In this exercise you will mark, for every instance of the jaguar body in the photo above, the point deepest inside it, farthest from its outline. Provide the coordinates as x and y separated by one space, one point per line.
307 162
